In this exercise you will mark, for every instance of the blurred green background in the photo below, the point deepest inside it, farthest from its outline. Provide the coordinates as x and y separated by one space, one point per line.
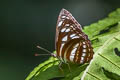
27 23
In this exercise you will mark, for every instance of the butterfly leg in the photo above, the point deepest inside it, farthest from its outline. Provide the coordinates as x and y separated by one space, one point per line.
60 67
69 67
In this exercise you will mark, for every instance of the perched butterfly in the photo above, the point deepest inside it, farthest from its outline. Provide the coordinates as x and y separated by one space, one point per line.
72 45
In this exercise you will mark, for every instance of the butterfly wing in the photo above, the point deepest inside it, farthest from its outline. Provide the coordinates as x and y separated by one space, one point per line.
70 39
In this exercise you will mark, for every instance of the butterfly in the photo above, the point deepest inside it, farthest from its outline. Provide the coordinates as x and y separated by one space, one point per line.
72 45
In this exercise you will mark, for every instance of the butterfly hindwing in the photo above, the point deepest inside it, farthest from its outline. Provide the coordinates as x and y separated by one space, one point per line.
70 39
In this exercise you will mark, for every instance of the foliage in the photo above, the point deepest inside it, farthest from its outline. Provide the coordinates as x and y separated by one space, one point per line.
105 65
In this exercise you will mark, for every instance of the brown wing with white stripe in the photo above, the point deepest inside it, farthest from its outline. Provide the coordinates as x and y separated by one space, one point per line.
71 42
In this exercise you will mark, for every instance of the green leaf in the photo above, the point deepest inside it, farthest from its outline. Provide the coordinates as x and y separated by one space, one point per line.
41 67
104 57
111 75
105 37
95 28
51 69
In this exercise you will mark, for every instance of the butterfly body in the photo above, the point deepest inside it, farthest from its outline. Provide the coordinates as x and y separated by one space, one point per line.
72 45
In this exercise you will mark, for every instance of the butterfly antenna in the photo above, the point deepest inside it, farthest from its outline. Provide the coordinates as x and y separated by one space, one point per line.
44 49
50 53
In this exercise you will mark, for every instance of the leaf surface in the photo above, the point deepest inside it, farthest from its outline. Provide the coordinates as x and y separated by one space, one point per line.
105 38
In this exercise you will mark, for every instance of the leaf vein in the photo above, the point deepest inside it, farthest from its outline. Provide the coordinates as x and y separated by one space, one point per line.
109 60
94 76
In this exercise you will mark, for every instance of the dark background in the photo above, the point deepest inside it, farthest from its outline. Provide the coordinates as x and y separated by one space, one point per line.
27 23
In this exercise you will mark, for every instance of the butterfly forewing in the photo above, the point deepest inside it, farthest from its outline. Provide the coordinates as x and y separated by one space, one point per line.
72 45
